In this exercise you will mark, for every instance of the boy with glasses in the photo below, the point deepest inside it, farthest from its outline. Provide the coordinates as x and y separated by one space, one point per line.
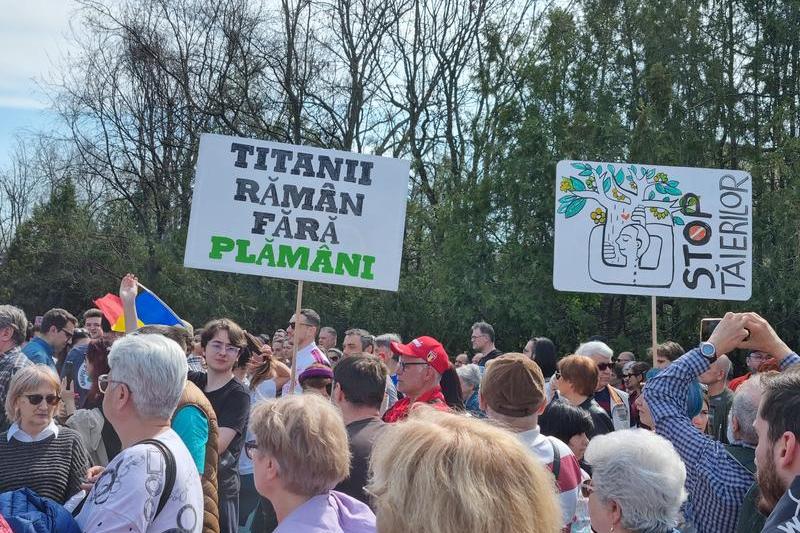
221 341
54 335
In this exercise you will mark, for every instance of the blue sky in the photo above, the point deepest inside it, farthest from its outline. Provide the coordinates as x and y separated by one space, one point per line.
33 38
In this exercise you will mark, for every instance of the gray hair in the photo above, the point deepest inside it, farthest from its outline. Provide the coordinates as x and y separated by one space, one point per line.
745 409
470 374
386 339
643 474
13 317
154 369
595 348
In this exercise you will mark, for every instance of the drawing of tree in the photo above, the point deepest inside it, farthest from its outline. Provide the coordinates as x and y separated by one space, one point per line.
622 195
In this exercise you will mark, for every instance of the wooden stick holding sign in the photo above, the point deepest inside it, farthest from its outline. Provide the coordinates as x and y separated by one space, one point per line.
653 326
297 307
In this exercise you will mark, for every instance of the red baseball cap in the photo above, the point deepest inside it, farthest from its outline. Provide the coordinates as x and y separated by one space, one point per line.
426 348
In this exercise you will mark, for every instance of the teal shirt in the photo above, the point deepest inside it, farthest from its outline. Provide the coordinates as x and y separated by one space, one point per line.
191 425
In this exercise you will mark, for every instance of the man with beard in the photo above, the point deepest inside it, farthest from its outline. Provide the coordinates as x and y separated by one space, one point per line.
716 480
778 453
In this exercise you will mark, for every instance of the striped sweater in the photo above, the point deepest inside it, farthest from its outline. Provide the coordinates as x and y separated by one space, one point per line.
52 467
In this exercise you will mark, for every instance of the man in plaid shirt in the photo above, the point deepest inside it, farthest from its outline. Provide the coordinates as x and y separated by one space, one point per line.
716 482
13 326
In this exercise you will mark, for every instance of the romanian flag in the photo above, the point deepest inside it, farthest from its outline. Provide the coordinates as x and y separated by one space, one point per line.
149 310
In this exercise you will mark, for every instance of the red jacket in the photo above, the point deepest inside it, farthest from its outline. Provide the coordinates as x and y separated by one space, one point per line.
400 409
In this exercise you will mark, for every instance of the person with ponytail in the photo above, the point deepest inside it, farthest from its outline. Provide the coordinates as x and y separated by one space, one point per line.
425 376
266 377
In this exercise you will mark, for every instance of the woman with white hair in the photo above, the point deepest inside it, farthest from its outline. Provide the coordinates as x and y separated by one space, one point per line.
470 377
637 483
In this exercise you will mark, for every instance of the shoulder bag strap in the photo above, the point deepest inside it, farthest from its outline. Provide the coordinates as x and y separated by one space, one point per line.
171 473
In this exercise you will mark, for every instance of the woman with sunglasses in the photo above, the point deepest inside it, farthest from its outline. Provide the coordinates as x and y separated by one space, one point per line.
633 377
648 497
35 452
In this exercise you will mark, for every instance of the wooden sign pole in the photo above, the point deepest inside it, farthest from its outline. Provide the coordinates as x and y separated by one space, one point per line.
297 307
654 330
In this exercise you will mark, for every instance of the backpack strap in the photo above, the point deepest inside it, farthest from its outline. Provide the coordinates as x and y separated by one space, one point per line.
171 473
556 459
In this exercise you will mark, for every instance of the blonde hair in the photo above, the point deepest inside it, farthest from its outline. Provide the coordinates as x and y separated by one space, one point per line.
306 436
446 473
26 379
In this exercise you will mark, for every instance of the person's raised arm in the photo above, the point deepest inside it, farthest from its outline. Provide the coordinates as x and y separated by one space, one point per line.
128 289
763 338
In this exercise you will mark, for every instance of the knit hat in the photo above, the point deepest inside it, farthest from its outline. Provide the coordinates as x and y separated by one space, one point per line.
513 385
426 348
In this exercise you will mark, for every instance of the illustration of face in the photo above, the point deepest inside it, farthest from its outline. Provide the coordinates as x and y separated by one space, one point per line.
627 244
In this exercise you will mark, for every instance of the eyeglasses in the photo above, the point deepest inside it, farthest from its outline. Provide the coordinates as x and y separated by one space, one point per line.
249 447
229 349
293 325
403 365
67 333
557 375
626 376
36 399
477 336
604 366
587 488
103 380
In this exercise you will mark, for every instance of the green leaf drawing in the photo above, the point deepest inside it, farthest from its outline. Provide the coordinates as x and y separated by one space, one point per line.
599 169
619 177
566 199
587 172
606 184
672 183
575 207
672 190
678 221
660 188
651 195
577 184
580 166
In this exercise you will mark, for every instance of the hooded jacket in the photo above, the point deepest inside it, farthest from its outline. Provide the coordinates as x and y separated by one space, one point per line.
332 512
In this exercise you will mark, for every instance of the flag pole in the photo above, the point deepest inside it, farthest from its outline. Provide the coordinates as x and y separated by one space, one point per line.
297 307
653 326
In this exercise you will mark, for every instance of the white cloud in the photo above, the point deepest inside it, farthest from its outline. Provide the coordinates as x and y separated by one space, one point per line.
33 37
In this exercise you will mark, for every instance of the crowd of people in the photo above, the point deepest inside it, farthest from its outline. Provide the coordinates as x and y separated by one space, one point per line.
217 429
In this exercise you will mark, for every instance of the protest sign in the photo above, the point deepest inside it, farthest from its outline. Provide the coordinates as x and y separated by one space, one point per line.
297 212
653 230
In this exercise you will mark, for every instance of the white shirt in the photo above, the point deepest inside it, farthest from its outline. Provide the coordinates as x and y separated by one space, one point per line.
305 358
126 496
18 433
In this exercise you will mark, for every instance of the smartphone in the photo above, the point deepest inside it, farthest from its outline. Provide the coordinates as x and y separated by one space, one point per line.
69 371
707 327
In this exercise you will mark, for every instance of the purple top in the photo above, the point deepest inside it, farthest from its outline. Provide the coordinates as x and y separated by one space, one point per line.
333 512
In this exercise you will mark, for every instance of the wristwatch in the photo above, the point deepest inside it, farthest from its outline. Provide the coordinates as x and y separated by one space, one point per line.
709 351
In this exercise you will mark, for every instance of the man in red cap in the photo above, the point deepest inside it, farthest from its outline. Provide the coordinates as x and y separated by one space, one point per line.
419 372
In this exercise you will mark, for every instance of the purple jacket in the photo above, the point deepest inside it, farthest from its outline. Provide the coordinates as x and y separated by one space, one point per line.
333 512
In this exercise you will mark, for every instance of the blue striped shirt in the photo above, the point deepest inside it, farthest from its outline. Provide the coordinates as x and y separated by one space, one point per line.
716 482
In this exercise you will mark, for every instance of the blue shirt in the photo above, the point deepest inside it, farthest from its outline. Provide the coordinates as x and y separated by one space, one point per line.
191 425
716 482
39 352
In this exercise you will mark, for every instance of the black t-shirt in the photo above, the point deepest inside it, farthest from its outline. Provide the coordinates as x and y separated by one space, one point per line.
494 354
231 404
361 435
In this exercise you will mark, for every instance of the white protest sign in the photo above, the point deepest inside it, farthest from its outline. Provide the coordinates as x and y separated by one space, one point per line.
297 212
652 230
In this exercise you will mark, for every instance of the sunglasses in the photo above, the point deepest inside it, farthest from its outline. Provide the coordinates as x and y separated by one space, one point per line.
604 366
587 488
36 399
626 376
